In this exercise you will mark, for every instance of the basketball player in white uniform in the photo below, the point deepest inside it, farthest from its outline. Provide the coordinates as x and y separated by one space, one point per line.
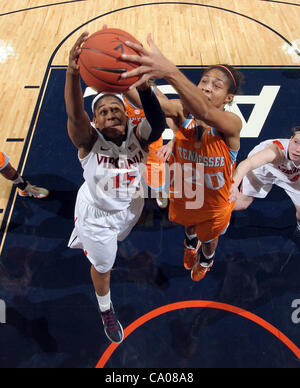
112 151
271 162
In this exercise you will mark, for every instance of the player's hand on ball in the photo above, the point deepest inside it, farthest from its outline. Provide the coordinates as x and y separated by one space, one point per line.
152 63
98 59
74 53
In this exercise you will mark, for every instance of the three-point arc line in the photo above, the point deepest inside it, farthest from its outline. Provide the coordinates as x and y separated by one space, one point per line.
196 304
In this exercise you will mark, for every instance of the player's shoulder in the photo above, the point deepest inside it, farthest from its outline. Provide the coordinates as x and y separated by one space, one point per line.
281 143
275 150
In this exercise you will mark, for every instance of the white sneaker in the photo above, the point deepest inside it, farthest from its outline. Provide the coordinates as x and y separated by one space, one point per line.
33 191
162 202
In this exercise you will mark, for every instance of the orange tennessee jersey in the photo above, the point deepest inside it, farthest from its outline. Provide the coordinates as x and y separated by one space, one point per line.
192 149
156 172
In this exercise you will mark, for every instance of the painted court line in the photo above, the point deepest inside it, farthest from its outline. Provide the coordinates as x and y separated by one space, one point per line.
196 304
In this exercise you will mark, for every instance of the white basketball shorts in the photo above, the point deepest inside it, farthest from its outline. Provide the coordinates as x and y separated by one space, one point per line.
258 183
97 232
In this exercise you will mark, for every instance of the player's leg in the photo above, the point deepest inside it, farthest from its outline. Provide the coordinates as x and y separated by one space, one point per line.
178 214
101 282
191 247
112 327
102 255
10 173
209 233
122 224
25 189
94 232
102 263
205 261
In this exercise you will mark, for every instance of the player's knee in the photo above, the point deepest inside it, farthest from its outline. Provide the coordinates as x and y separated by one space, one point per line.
100 270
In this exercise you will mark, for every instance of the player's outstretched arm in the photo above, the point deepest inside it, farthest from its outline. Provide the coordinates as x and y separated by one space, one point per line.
153 64
155 117
172 108
271 154
79 127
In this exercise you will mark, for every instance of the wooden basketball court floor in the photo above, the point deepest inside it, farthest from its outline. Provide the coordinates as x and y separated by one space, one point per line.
245 313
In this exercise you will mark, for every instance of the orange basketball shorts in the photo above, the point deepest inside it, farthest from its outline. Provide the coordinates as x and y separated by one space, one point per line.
210 223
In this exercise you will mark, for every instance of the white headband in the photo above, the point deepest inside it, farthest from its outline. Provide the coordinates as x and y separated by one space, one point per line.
119 96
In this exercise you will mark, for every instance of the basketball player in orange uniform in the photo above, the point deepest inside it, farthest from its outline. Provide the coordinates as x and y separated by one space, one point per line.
25 189
156 170
210 135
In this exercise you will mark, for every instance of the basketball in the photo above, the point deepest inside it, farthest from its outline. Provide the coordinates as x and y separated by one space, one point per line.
99 63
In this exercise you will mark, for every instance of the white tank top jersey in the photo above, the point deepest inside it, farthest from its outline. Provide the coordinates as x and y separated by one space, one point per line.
113 174
287 174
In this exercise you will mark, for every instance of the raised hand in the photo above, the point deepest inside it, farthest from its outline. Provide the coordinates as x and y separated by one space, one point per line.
152 63
74 53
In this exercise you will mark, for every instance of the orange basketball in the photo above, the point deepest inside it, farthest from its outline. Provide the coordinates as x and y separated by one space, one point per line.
99 63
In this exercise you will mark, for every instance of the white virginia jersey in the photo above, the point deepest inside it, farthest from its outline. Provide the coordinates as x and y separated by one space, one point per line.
113 174
287 174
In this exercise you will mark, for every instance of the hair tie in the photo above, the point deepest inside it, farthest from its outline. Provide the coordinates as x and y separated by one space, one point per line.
228 71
